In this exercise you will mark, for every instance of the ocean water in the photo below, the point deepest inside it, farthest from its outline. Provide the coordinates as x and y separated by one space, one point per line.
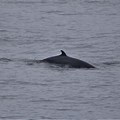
32 30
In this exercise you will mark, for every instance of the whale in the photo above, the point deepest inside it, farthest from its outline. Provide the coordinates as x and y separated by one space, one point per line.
64 60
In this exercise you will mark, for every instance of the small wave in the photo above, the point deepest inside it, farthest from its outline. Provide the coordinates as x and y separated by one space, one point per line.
26 61
1 30
30 61
8 96
23 2
30 83
111 63
5 60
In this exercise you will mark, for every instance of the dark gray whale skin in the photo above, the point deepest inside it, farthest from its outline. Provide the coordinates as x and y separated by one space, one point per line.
64 60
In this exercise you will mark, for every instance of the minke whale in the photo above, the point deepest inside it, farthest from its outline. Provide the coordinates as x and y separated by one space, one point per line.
64 60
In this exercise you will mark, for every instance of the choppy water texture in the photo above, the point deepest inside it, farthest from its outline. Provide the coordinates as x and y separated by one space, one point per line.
31 30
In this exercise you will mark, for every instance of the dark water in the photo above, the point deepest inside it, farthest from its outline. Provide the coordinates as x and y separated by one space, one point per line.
31 30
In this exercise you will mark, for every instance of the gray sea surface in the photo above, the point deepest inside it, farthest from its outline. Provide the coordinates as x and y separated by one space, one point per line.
32 30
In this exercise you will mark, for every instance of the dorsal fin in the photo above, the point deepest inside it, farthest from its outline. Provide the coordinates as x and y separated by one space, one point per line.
63 53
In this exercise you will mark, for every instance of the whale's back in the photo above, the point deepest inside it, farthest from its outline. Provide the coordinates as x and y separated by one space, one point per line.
66 60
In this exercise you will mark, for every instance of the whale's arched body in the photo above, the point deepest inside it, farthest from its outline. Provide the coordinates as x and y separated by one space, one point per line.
63 59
